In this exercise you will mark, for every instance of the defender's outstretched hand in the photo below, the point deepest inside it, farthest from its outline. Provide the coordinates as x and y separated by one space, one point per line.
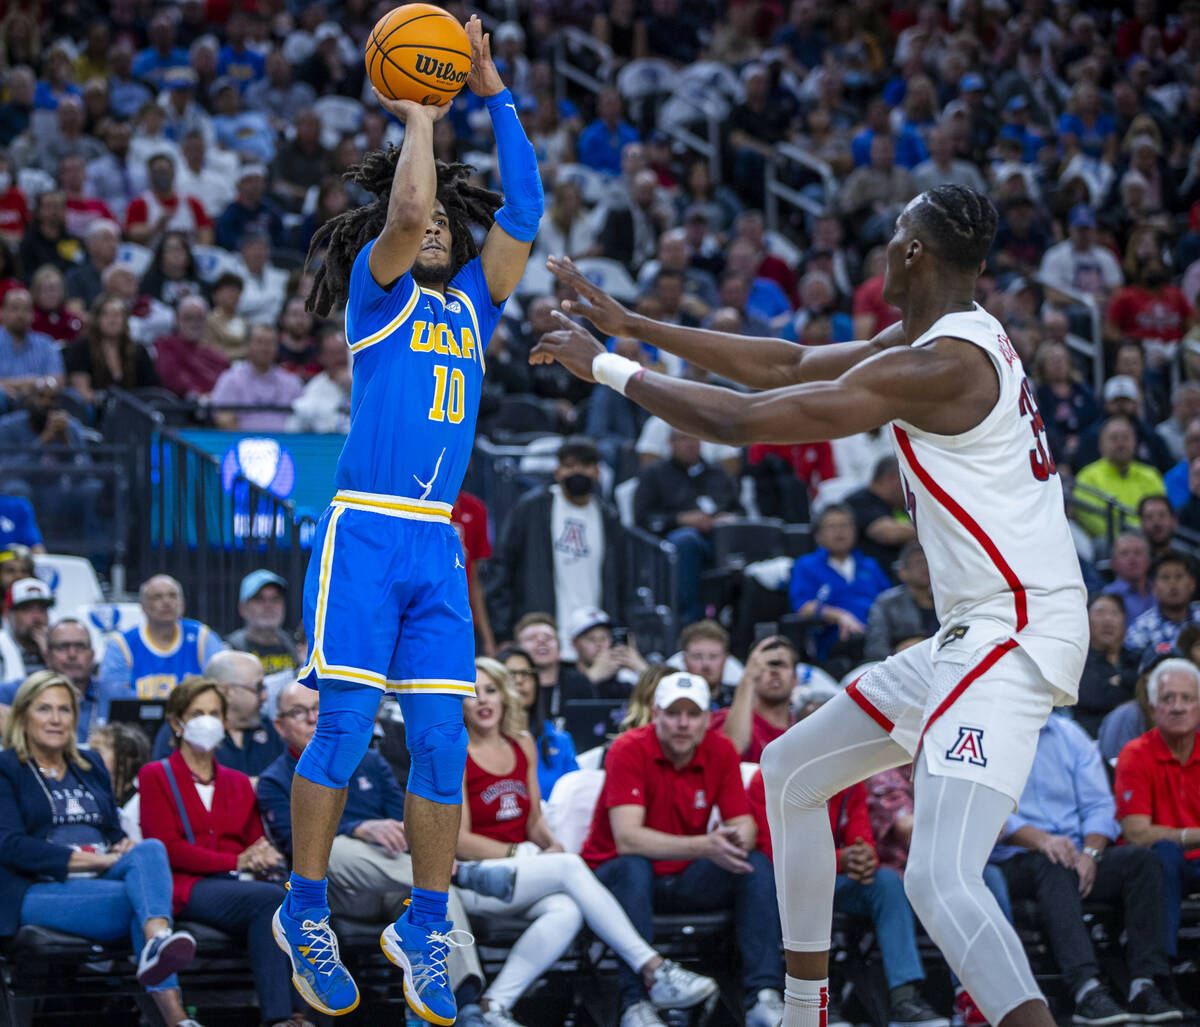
572 346
405 109
594 303
484 79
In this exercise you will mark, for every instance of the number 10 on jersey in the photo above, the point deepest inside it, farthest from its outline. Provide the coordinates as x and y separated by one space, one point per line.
449 388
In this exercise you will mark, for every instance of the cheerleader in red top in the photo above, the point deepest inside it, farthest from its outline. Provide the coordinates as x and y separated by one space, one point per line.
502 820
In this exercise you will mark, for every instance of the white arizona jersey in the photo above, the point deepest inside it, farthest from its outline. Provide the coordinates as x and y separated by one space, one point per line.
988 509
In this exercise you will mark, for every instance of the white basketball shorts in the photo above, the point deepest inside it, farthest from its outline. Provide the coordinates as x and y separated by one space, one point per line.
974 714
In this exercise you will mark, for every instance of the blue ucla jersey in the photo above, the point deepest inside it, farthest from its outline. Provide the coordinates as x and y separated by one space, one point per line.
418 372
154 672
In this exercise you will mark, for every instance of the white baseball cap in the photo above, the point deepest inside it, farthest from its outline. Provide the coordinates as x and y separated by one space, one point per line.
584 619
30 590
682 685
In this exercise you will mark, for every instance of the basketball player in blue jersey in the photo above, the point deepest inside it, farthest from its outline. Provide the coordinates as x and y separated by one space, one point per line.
385 598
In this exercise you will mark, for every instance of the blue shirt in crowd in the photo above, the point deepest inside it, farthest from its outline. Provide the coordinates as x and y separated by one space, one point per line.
36 354
133 667
910 149
1152 628
600 148
556 756
373 794
1135 605
150 65
814 577
17 522
1176 483
243 66
1067 792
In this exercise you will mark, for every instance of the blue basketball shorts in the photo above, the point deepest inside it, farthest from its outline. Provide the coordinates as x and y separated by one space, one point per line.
385 598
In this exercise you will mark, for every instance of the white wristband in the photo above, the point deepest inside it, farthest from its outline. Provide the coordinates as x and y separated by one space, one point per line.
614 371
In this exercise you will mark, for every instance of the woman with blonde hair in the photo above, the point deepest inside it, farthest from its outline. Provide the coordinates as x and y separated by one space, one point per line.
641 702
65 863
502 820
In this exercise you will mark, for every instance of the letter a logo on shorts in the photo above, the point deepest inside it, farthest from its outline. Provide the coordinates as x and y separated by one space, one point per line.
969 747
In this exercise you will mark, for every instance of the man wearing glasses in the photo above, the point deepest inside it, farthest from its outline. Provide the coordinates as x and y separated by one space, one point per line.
69 652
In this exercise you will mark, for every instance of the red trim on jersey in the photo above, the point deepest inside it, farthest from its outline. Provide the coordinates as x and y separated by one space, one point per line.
968 522
867 706
986 664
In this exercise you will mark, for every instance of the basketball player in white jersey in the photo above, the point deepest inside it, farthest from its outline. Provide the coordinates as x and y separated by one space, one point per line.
985 496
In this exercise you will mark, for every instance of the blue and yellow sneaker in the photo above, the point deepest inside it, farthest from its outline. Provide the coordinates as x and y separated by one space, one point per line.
317 970
421 952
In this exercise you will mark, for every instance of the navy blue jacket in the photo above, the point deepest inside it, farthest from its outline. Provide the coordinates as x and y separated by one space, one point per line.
25 856
374 794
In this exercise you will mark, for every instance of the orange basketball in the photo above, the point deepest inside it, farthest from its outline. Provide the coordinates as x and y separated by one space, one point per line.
418 52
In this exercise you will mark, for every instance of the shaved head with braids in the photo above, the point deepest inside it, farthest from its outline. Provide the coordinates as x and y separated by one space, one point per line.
342 237
958 224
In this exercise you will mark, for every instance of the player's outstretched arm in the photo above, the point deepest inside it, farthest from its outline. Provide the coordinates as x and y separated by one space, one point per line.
944 387
414 189
760 363
506 249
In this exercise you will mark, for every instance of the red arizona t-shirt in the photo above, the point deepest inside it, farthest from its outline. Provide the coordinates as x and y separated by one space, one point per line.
499 803
679 802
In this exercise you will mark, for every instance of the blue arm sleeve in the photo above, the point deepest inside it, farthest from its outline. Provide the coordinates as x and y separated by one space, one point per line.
524 202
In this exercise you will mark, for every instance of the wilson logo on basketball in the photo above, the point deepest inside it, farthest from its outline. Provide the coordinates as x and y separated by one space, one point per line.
443 70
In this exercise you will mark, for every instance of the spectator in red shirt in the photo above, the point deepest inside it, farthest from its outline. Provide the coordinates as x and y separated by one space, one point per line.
470 519
811 462
9 271
502 820
82 209
761 709
1157 785
160 207
211 825
188 365
14 210
1152 311
50 314
651 844
864 888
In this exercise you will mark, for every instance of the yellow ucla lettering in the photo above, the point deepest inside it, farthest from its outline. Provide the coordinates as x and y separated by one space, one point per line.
443 341
155 686
468 344
422 341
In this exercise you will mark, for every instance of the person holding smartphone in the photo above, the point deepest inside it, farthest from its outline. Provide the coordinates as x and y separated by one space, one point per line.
612 666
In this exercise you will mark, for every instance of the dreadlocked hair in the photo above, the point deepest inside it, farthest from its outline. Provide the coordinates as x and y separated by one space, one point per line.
959 222
342 237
